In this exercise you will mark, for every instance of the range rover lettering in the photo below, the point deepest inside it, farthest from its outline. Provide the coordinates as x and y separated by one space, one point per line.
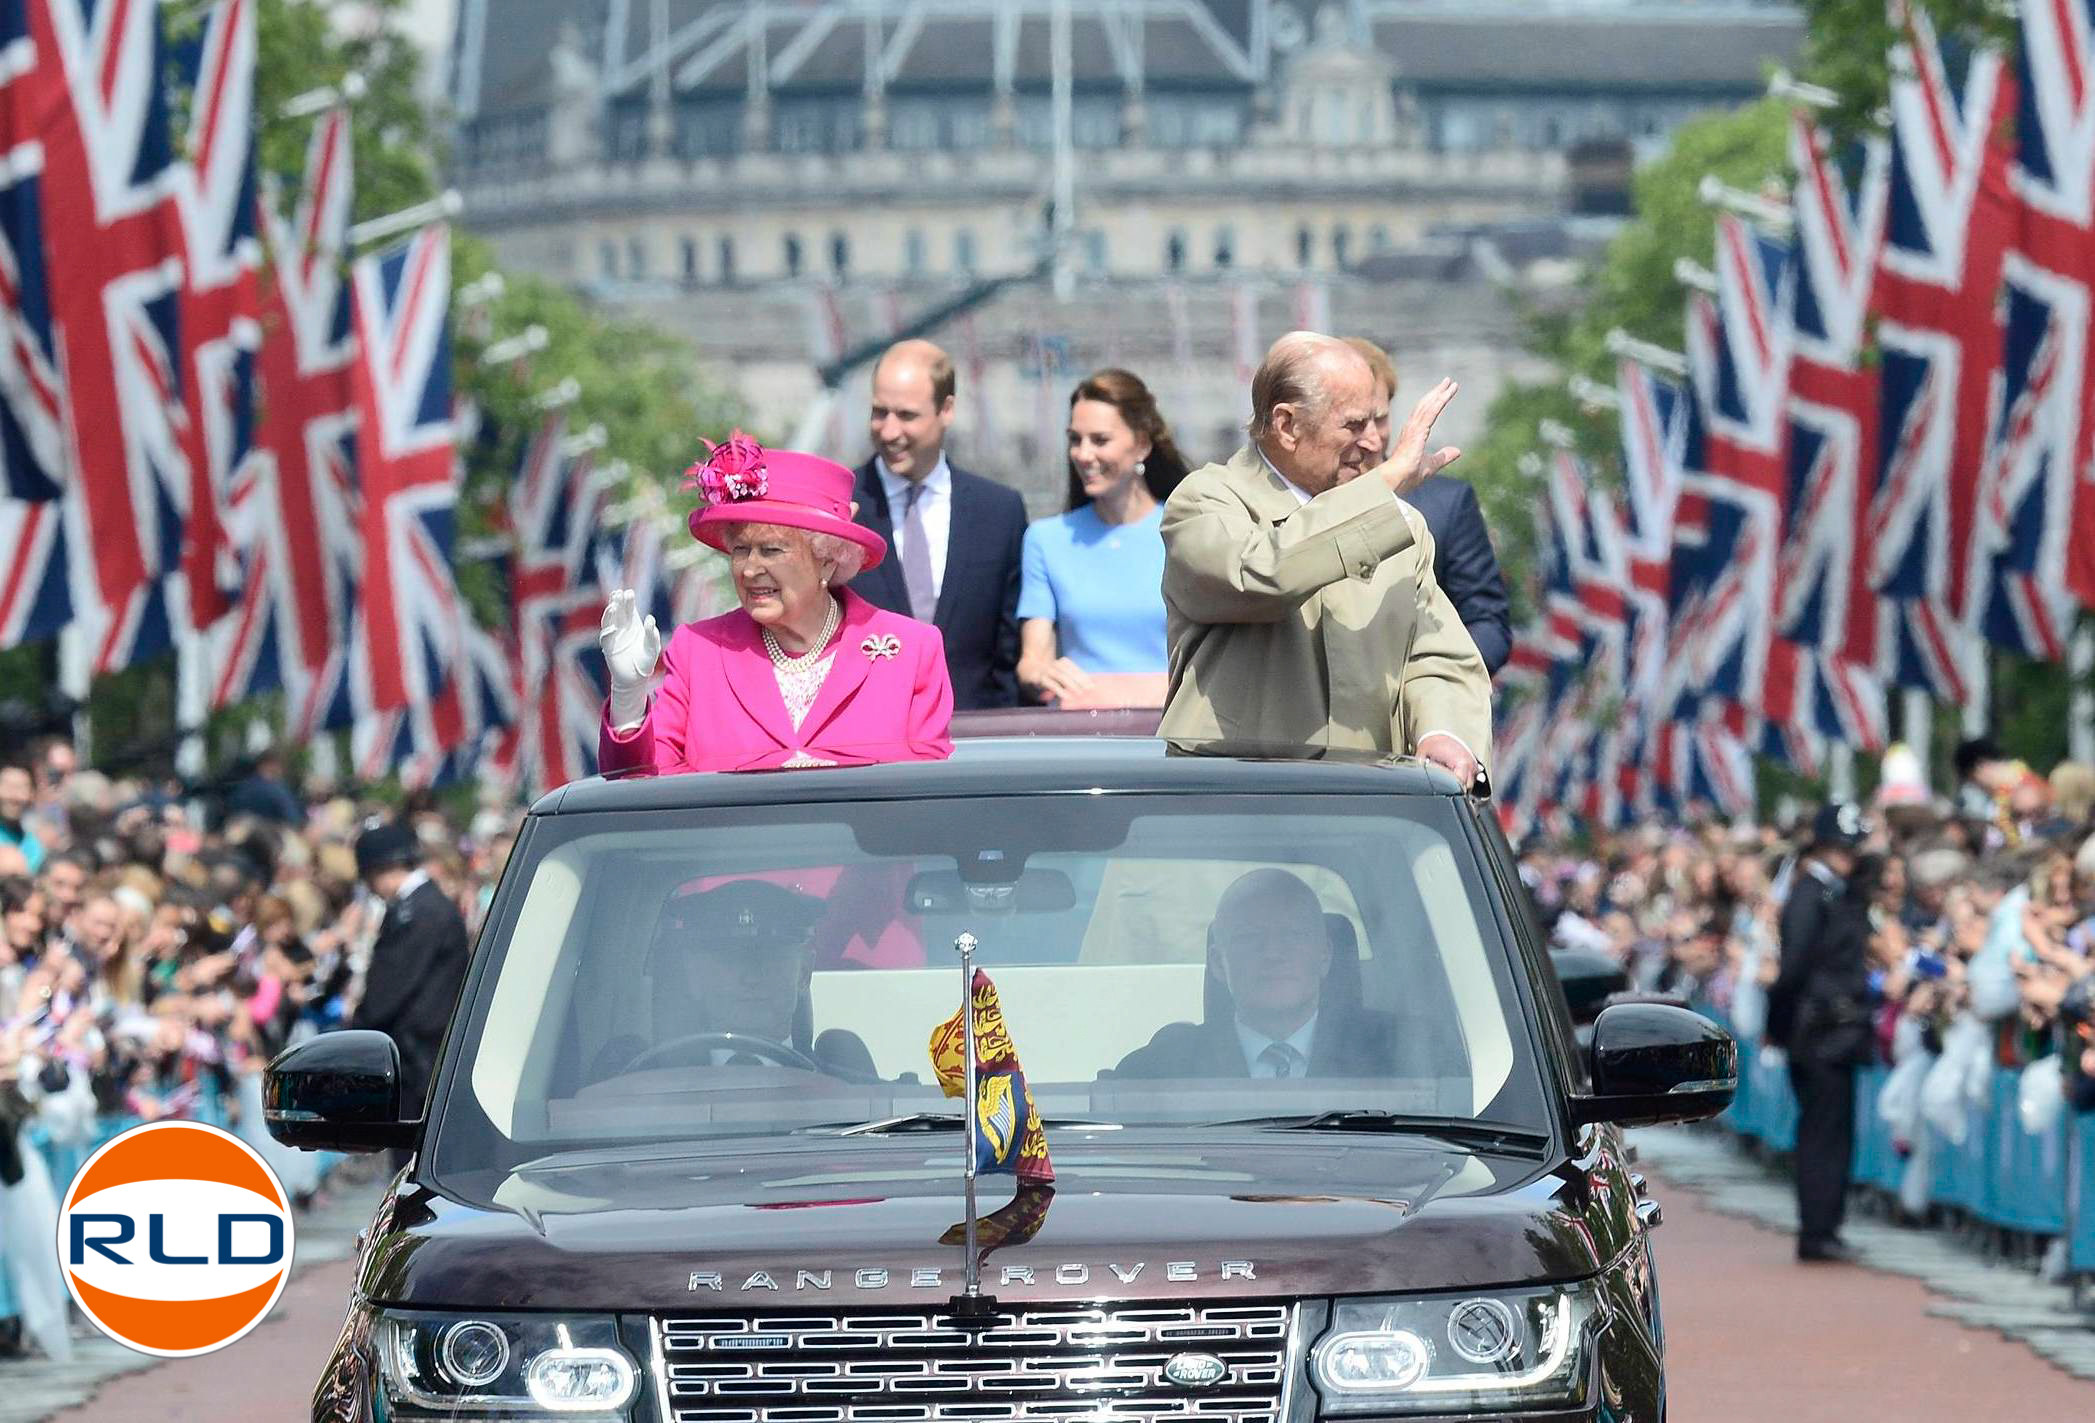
1325 1142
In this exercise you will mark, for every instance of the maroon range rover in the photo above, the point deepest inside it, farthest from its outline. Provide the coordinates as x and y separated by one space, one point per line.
1324 1142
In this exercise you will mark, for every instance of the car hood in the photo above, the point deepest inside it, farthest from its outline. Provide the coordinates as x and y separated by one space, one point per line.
877 1221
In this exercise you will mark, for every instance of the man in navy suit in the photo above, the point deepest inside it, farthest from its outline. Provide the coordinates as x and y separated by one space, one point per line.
1464 562
955 536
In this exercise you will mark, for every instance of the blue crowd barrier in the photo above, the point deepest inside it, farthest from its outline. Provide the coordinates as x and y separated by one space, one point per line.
64 1159
2039 1183
2080 1195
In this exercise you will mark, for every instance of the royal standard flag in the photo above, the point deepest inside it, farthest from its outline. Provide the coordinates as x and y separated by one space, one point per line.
1008 1135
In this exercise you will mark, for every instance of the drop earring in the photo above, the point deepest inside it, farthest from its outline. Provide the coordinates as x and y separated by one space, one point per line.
1141 467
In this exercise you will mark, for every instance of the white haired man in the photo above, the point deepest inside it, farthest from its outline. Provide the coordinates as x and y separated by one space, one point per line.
1300 601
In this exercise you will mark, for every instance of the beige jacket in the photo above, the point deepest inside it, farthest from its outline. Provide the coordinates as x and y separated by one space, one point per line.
1315 624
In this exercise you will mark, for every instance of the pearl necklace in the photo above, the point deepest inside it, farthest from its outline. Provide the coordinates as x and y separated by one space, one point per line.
786 663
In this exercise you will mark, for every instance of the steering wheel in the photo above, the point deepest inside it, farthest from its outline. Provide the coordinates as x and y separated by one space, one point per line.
692 1045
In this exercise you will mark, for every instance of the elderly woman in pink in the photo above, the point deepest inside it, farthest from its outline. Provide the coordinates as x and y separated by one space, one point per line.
805 672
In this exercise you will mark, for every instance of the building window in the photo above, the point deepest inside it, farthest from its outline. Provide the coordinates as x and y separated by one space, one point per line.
1095 251
708 128
964 252
1305 246
792 254
688 250
913 252
607 261
727 260
1225 248
1175 252
840 255
1193 120
913 126
636 258
1341 244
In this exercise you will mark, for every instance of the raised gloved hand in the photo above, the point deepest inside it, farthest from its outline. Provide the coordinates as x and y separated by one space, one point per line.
631 646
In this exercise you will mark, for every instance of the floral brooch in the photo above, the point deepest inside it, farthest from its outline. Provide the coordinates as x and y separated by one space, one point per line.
881 645
731 470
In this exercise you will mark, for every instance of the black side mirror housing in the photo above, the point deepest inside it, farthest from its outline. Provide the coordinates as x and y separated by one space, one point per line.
337 1092
1589 980
1657 1062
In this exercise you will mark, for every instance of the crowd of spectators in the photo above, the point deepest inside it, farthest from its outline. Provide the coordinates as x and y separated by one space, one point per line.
157 948
1981 913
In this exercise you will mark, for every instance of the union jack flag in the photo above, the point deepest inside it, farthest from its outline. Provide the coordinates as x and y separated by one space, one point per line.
1948 222
557 601
220 304
466 734
84 89
1825 601
1788 696
297 514
2040 509
408 628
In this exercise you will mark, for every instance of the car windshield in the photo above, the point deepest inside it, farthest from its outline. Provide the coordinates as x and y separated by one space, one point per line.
1162 961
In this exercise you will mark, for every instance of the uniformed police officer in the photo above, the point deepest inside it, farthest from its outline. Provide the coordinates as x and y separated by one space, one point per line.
418 961
1819 1013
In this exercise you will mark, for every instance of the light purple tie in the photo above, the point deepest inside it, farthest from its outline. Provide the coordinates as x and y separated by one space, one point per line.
916 557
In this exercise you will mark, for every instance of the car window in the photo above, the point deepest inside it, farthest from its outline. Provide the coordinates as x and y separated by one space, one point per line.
768 970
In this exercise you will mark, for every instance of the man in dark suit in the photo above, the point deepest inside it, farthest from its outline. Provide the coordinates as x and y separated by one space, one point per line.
1273 953
1819 1012
418 962
955 536
1464 562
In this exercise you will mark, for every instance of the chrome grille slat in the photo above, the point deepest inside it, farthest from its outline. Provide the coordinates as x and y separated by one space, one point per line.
1054 1364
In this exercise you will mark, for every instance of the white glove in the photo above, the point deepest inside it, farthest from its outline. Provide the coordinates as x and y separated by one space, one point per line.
631 647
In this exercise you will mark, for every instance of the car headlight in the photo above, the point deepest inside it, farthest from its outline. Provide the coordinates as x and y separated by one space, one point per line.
516 1366
1450 1353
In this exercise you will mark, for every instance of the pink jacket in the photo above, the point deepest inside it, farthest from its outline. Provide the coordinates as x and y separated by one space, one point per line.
718 708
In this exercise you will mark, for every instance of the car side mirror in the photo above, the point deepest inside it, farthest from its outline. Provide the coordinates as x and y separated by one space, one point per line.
337 1092
1657 1062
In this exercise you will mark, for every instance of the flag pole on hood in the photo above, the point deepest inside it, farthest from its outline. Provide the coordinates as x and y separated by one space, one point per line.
970 1303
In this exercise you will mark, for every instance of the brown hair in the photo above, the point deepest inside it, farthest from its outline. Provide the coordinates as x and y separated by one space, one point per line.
1125 392
1378 362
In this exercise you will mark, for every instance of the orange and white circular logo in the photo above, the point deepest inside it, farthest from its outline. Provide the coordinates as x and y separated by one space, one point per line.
175 1238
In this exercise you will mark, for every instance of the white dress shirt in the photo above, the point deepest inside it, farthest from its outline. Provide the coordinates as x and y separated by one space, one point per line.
414 881
1255 1044
934 506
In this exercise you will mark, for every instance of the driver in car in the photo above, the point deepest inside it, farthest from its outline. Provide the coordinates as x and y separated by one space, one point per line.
1273 955
733 962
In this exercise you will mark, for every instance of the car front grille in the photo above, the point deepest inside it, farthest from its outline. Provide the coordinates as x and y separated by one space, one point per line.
1069 1364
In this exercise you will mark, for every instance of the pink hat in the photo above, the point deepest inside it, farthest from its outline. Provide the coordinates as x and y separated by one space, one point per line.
744 483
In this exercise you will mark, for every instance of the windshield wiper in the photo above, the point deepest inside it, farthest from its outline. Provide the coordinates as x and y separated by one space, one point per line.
1495 1135
929 1122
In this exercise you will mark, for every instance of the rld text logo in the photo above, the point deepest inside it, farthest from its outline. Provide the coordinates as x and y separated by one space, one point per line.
175 1239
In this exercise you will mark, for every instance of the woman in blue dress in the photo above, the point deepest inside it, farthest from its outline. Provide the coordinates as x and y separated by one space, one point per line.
1091 596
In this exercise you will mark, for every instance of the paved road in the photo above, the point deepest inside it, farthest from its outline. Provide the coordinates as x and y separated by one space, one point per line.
1751 1333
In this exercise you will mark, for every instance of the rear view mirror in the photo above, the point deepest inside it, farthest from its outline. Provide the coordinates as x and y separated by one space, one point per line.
1033 892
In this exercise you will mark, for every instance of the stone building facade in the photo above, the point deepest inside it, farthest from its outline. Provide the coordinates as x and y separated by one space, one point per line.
777 178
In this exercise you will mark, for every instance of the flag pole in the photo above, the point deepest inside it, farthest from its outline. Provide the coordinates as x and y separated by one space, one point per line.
967 944
970 1306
